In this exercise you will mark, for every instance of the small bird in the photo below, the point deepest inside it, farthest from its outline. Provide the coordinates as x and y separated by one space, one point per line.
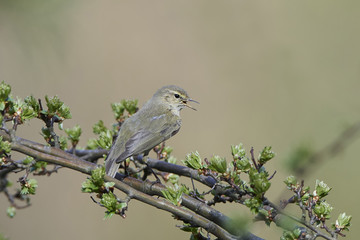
158 120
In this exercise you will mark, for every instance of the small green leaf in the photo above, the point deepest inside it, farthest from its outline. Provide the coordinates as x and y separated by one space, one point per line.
291 235
217 164
171 159
259 182
322 189
57 108
343 222
74 134
38 166
165 153
2 106
253 204
290 182
188 228
238 151
105 139
193 160
5 146
173 178
265 155
5 91
99 127
33 103
243 164
94 183
118 109
322 210
130 106
174 194
109 184
63 142
28 160
88 186
92 144
109 201
29 187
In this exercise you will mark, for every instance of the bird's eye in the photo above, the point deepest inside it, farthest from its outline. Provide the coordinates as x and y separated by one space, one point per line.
176 95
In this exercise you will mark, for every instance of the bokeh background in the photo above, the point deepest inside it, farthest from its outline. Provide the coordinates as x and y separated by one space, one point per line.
279 73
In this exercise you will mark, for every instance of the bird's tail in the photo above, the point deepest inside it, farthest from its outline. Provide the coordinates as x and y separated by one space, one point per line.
111 167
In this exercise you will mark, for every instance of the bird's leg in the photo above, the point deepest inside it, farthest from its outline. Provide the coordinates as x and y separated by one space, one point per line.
149 170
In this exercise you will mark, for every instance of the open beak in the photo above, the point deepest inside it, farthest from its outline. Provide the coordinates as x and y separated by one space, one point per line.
190 100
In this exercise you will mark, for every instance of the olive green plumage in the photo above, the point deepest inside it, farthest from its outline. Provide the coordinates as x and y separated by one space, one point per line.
158 120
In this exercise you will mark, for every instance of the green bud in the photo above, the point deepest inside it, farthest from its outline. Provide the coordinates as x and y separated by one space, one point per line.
187 227
105 139
243 164
118 109
322 189
99 127
45 132
5 91
63 142
253 204
174 194
92 144
5 146
57 108
97 176
109 201
74 134
305 197
130 106
88 186
217 164
322 210
171 159
265 155
168 150
259 182
193 160
173 178
29 186
238 151
343 222
290 182
96 182
38 166
291 235
25 111
33 103
28 160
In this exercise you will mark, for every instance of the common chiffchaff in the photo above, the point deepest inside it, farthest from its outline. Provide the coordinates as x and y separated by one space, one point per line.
158 120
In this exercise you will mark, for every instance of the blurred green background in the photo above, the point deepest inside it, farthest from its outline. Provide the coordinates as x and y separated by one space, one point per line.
279 73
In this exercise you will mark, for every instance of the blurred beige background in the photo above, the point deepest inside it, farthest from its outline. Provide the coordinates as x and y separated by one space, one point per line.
277 73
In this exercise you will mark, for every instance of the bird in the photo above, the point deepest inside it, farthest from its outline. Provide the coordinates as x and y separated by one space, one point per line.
158 120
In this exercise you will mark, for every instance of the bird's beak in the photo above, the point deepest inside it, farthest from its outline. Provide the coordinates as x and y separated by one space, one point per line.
190 100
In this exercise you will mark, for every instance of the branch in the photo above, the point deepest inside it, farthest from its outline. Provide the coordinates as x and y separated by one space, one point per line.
56 156
336 147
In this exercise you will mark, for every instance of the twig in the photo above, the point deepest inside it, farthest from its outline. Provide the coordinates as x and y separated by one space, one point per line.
253 158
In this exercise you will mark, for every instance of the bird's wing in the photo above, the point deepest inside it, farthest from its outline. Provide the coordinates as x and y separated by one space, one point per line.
158 129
